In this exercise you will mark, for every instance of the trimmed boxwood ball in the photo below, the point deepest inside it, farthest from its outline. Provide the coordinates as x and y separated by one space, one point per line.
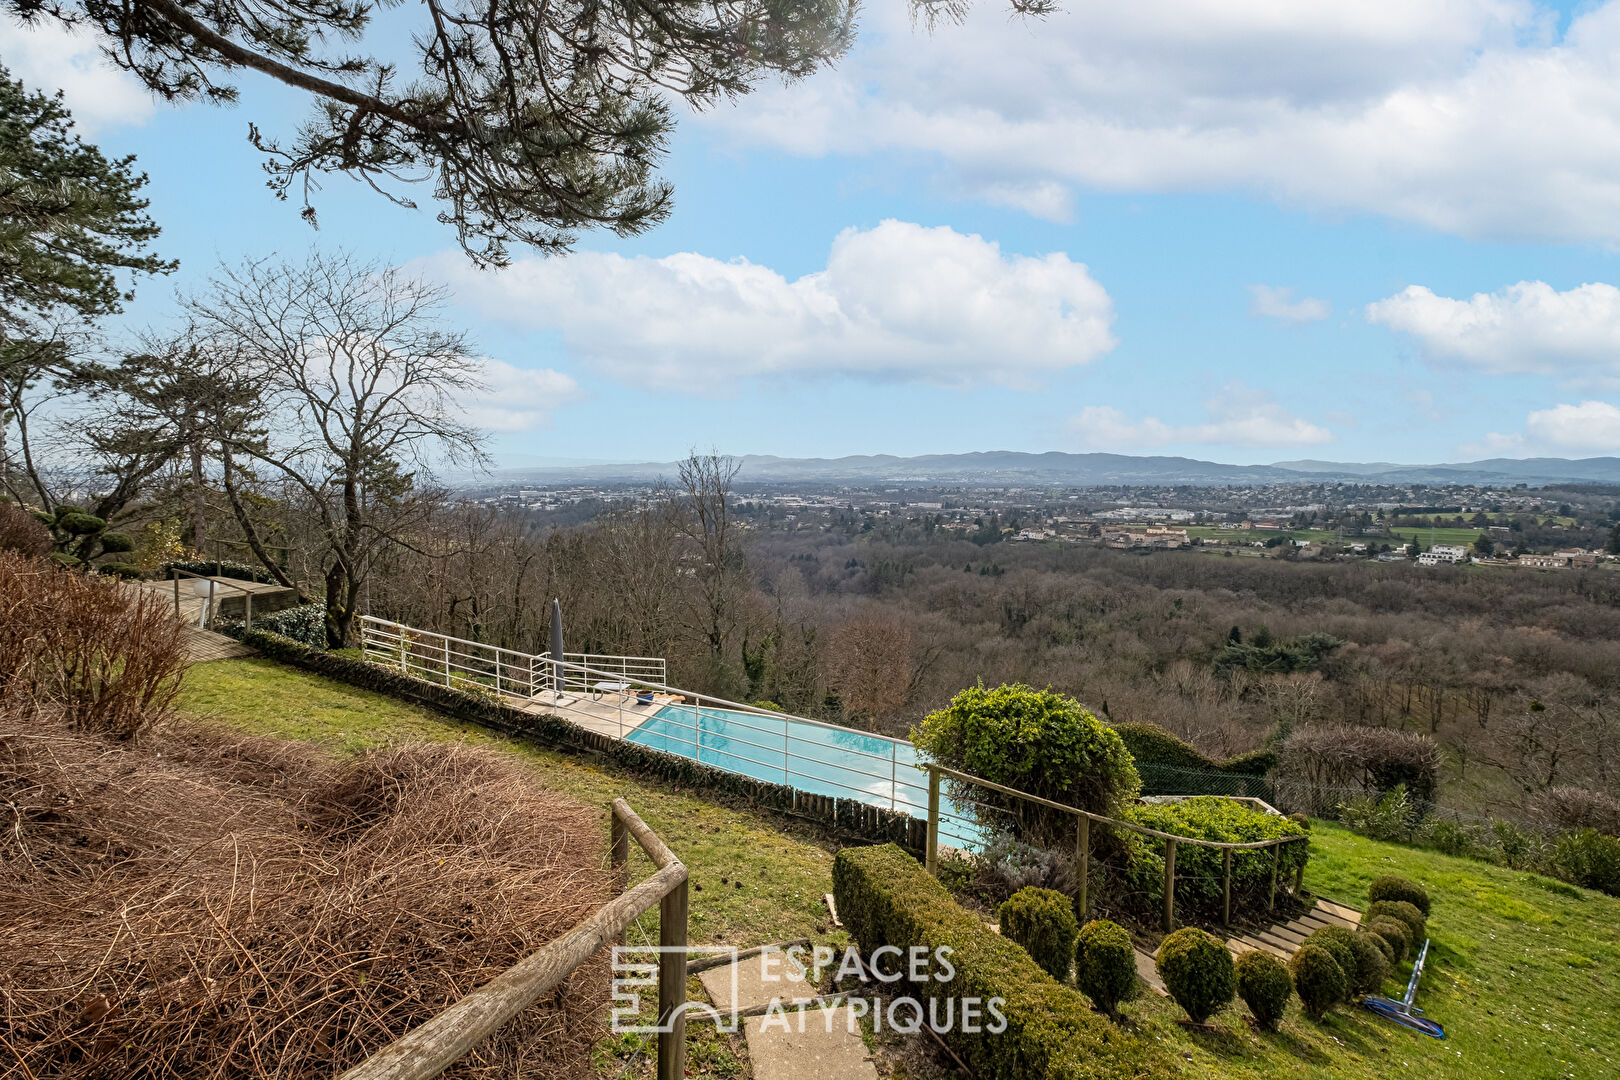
1264 985
1405 911
1197 970
1372 967
1398 888
1382 944
1043 922
79 524
1318 979
1393 932
1105 965
1340 943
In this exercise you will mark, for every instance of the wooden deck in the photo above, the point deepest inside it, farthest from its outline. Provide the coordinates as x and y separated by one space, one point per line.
609 714
205 645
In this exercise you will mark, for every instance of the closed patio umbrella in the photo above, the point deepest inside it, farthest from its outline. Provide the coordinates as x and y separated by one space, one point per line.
556 646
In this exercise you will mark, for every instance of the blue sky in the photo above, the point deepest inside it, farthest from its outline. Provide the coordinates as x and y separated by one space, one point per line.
1247 231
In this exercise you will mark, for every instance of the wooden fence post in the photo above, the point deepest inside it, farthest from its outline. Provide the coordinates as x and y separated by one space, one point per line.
1082 855
672 912
1299 878
1276 864
1226 887
931 856
1169 885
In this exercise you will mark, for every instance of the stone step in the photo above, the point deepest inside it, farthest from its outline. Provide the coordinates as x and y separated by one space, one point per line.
1149 973
817 1045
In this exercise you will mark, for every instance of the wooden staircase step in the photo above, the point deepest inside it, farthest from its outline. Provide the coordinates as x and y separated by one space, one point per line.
1317 919
1289 933
1348 914
1260 943
1266 937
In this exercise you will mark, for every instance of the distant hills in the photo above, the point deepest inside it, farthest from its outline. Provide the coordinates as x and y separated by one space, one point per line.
1006 467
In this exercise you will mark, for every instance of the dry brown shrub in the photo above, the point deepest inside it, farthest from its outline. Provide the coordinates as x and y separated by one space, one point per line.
1578 808
21 532
106 657
204 904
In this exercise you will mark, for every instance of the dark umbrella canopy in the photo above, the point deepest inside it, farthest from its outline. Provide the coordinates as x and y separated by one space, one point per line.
556 645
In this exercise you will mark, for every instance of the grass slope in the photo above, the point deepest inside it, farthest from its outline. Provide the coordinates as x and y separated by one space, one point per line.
1525 973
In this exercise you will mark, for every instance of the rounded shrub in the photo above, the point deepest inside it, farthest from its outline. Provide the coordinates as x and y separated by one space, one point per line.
1382 945
1372 966
1197 971
1340 943
1405 911
1318 979
1105 965
1043 922
1036 741
1302 820
1399 888
1393 932
1264 984
120 569
79 524
116 543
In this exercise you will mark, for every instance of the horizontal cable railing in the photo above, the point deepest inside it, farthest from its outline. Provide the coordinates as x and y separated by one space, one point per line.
809 755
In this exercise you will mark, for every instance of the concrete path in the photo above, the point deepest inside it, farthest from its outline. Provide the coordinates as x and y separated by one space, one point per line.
803 1041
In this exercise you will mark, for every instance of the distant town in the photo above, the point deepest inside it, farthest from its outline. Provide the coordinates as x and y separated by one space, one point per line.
1540 528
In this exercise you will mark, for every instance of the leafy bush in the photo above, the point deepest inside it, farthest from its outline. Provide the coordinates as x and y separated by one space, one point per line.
1390 817
1036 741
1394 932
119 569
1372 964
1264 985
1519 849
1391 887
1199 869
1590 859
1105 965
116 543
1043 922
305 624
1151 744
1382 944
887 898
1318 979
1340 943
1197 971
1406 913
1455 838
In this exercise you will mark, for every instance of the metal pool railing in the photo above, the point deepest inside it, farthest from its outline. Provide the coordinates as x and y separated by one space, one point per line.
620 694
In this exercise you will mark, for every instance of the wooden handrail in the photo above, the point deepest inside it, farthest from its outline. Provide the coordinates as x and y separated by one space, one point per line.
427 1050
1083 844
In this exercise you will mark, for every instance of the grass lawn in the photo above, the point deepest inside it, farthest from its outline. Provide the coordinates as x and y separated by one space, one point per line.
1524 974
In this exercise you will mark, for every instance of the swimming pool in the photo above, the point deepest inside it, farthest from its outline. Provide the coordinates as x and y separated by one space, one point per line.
824 760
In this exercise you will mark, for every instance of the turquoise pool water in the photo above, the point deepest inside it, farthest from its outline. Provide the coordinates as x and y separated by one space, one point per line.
821 760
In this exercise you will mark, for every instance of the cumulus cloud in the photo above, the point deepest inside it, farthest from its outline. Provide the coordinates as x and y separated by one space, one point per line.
519 399
896 301
1591 428
1470 116
49 57
1528 328
1237 416
1277 302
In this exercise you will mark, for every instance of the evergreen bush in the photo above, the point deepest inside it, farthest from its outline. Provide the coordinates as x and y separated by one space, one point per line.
1197 971
1105 965
1405 911
1590 859
1391 887
1372 965
1393 931
1264 984
1340 943
1318 979
1199 874
1043 922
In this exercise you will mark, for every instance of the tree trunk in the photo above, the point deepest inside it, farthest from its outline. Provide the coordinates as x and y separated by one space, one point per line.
199 501
246 524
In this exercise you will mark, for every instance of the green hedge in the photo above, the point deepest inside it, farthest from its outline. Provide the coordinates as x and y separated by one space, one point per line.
224 568
305 624
1043 922
1152 745
845 815
886 898
1199 869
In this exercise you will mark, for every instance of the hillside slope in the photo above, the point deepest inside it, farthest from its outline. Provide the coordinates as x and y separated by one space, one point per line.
1525 975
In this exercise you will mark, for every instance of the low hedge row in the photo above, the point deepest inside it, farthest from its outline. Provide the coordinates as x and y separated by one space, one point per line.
1199 874
1151 744
886 898
845 815
224 568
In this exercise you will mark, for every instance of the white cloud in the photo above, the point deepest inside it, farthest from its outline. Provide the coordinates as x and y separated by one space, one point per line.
1277 302
895 301
1528 328
1470 116
519 399
1591 428
49 57
1237 416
